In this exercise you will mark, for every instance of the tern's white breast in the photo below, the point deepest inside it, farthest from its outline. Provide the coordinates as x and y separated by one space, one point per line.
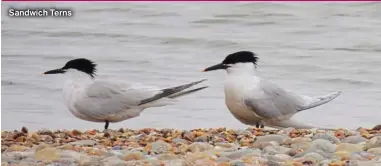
71 92
235 89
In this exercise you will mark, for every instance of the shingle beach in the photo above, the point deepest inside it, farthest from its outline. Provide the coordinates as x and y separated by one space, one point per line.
198 147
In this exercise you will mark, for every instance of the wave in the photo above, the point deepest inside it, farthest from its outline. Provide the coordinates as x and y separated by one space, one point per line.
7 83
346 81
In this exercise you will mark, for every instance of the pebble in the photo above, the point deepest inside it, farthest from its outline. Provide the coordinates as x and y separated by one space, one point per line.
354 139
327 136
158 147
270 138
377 127
84 143
373 143
199 147
375 151
349 147
16 148
321 146
47 154
135 155
312 157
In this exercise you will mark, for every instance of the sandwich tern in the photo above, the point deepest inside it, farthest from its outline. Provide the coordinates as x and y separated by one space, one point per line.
255 101
111 101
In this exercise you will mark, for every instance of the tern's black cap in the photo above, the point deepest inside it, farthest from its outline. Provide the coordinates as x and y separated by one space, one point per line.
237 57
241 57
81 64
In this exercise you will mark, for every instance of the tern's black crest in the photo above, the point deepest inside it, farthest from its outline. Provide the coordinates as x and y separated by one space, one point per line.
83 65
241 57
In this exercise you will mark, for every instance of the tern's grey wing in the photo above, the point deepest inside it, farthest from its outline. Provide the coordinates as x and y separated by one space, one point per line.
103 100
132 94
271 102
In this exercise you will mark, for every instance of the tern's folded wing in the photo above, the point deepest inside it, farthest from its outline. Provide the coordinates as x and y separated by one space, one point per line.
271 102
129 93
107 99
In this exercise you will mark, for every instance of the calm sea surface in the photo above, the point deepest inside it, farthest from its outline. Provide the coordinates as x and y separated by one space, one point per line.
309 48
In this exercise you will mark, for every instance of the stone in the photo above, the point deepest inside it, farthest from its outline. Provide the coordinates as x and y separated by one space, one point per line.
78 157
237 163
337 163
274 149
363 155
158 147
204 161
203 138
297 140
375 142
239 153
226 147
313 157
76 132
42 146
246 141
91 161
326 136
167 157
302 145
350 148
282 157
66 147
269 138
179 141
199 146
342 154
175 162
325 162
223 160
45 132
377 127
84 143
114 161
368 163
225 163
135 155
47 154
16 156
16 148
375 151
321 146
24 130
294 152
354 139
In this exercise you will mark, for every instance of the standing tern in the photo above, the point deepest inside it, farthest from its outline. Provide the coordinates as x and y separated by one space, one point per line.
255 101
111 101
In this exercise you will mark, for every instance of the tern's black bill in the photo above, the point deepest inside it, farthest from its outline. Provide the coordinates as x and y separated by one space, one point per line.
216 67
55 71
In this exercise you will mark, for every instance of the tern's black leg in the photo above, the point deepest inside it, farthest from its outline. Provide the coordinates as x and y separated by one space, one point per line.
257 124
106 125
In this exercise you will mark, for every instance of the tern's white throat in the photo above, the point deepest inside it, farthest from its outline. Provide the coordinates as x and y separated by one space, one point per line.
241 69
76 75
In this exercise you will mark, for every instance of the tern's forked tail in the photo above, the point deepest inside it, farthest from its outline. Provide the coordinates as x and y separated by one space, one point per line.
320 100
174 92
